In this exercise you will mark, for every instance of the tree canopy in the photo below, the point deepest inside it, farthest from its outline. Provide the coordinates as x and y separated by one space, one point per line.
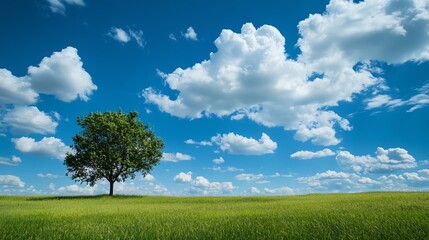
112 146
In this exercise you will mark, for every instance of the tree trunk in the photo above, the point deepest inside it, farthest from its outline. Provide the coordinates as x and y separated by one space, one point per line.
111 188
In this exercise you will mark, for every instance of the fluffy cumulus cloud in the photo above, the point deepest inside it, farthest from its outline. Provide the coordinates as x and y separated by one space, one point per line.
250 76
48 146
123 36
349 32
14 90
237 144
190 34
175 157
10 181
407 180
386 160
75 189
249 177
13 161
25 120
183 177
201 185
333 181
304 155
62 74
218 160
59 6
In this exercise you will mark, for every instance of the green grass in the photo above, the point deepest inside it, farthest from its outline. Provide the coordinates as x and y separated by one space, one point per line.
332 216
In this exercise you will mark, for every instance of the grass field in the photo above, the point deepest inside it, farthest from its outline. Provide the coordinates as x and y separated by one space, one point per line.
333 216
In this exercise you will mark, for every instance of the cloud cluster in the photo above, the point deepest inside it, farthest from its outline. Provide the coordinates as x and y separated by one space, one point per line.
250 76
249 177
123 36
62 75
7 181
175 157
386 160
305 155
337 181
201 185
48 146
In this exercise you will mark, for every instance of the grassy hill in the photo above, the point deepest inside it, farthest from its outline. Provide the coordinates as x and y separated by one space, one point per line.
331 216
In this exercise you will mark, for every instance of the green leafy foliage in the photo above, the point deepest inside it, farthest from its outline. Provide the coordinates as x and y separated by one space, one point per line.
113 146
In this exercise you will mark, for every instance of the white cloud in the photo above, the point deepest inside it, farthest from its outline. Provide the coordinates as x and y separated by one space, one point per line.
48 146
250 76
13 161
58 6
407 180
119 35
420 100
385 161
62 75
183 177
190 34
75 189
7 181
364 31
249 177
304 155
122 36
218 160
227 169
253 190
333 181
237 144
24 120
279 191
175 157
172 37
14 90
202 185
138 37
202 143
48 175
148 178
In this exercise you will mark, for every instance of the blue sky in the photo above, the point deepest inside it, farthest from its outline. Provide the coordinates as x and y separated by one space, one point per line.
250 97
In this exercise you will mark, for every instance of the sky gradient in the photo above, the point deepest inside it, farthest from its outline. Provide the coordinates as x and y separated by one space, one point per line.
249 97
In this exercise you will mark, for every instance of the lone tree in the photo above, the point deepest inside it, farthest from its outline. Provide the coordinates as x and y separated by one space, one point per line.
114 146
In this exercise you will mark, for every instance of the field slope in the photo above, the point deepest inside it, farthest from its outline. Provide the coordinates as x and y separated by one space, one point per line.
332 216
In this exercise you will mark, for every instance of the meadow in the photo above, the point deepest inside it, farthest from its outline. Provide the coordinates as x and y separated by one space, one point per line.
396 215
